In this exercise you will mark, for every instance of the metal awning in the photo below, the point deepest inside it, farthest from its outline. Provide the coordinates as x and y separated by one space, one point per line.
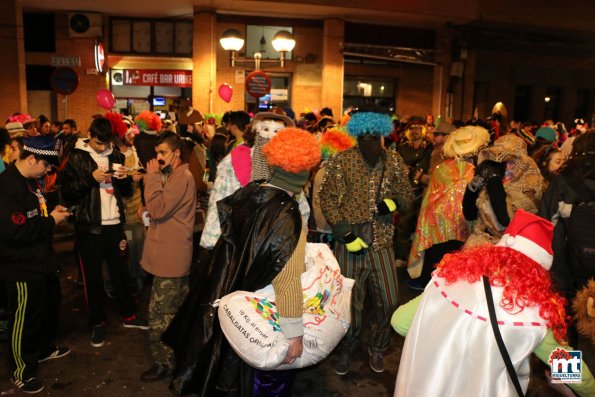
396 54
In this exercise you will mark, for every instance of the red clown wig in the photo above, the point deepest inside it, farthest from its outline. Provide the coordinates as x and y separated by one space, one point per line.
148 121
119 128
293 150
525 282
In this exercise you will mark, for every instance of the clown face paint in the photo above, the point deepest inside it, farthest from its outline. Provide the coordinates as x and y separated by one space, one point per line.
268 128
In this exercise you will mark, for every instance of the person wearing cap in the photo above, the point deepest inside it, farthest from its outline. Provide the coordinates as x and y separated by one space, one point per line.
28 264
264 243
441 226
29 124
439 136
416 153
450 347
544 136
266 125
360 191
92 184
15 129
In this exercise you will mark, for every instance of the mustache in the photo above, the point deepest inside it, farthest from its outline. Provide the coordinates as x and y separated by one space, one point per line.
161 162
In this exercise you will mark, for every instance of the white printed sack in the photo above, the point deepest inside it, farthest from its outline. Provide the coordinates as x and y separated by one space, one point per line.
250 320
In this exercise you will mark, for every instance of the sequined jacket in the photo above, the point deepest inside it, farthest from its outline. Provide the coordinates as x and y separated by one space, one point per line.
349 189
441 216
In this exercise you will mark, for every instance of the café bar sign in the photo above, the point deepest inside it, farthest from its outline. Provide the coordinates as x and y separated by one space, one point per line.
152 77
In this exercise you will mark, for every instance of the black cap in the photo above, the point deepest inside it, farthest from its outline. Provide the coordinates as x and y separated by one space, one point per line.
45 147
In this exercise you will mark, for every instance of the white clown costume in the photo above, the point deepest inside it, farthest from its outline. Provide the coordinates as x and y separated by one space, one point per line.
451 350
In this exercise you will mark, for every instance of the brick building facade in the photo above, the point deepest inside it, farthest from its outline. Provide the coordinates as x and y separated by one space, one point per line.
484 53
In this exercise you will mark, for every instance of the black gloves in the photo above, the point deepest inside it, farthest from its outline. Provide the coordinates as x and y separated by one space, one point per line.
385 207
490 169
497 196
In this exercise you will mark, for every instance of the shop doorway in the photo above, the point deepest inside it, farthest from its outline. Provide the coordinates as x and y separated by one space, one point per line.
280 95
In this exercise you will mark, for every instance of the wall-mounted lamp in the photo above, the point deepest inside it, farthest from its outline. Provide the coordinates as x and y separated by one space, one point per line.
232 41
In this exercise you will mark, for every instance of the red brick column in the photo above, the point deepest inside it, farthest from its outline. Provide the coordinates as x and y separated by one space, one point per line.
204 60
13 87
332 66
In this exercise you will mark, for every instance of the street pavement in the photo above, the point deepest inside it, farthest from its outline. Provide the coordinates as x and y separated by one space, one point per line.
114 369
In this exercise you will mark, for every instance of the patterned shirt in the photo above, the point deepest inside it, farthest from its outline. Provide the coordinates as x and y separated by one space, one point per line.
349 189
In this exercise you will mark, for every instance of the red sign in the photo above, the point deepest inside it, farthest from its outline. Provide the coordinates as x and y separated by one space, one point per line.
64 81
99 57
258 84
169 78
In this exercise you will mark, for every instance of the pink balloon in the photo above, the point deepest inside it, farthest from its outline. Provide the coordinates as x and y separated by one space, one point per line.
105 99
225 92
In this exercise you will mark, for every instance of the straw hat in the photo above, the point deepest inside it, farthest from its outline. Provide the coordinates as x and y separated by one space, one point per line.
466 142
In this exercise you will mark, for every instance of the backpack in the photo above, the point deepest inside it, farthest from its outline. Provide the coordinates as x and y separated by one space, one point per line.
580 227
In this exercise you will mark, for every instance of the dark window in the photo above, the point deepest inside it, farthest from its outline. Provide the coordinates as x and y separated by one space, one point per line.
40 32
38 77
394 36
151 36
522 103
552 103
582 103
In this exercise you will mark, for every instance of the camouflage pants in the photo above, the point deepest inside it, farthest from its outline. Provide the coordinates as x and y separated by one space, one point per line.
167 295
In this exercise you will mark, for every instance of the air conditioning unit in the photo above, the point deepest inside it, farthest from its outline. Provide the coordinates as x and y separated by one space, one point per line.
84 24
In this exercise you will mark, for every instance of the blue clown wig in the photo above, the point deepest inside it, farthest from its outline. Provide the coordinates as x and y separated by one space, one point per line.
362 123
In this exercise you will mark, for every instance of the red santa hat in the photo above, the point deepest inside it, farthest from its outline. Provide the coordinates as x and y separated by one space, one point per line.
530 235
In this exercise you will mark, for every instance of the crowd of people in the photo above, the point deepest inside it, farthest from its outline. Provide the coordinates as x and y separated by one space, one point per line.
200 208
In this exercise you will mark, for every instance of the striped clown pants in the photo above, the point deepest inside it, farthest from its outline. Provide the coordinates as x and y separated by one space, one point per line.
375 272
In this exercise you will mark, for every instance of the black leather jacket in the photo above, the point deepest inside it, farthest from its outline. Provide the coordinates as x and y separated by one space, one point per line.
80 189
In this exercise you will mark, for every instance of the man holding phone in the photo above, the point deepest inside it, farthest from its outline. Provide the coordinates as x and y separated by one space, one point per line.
89 182
28 263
